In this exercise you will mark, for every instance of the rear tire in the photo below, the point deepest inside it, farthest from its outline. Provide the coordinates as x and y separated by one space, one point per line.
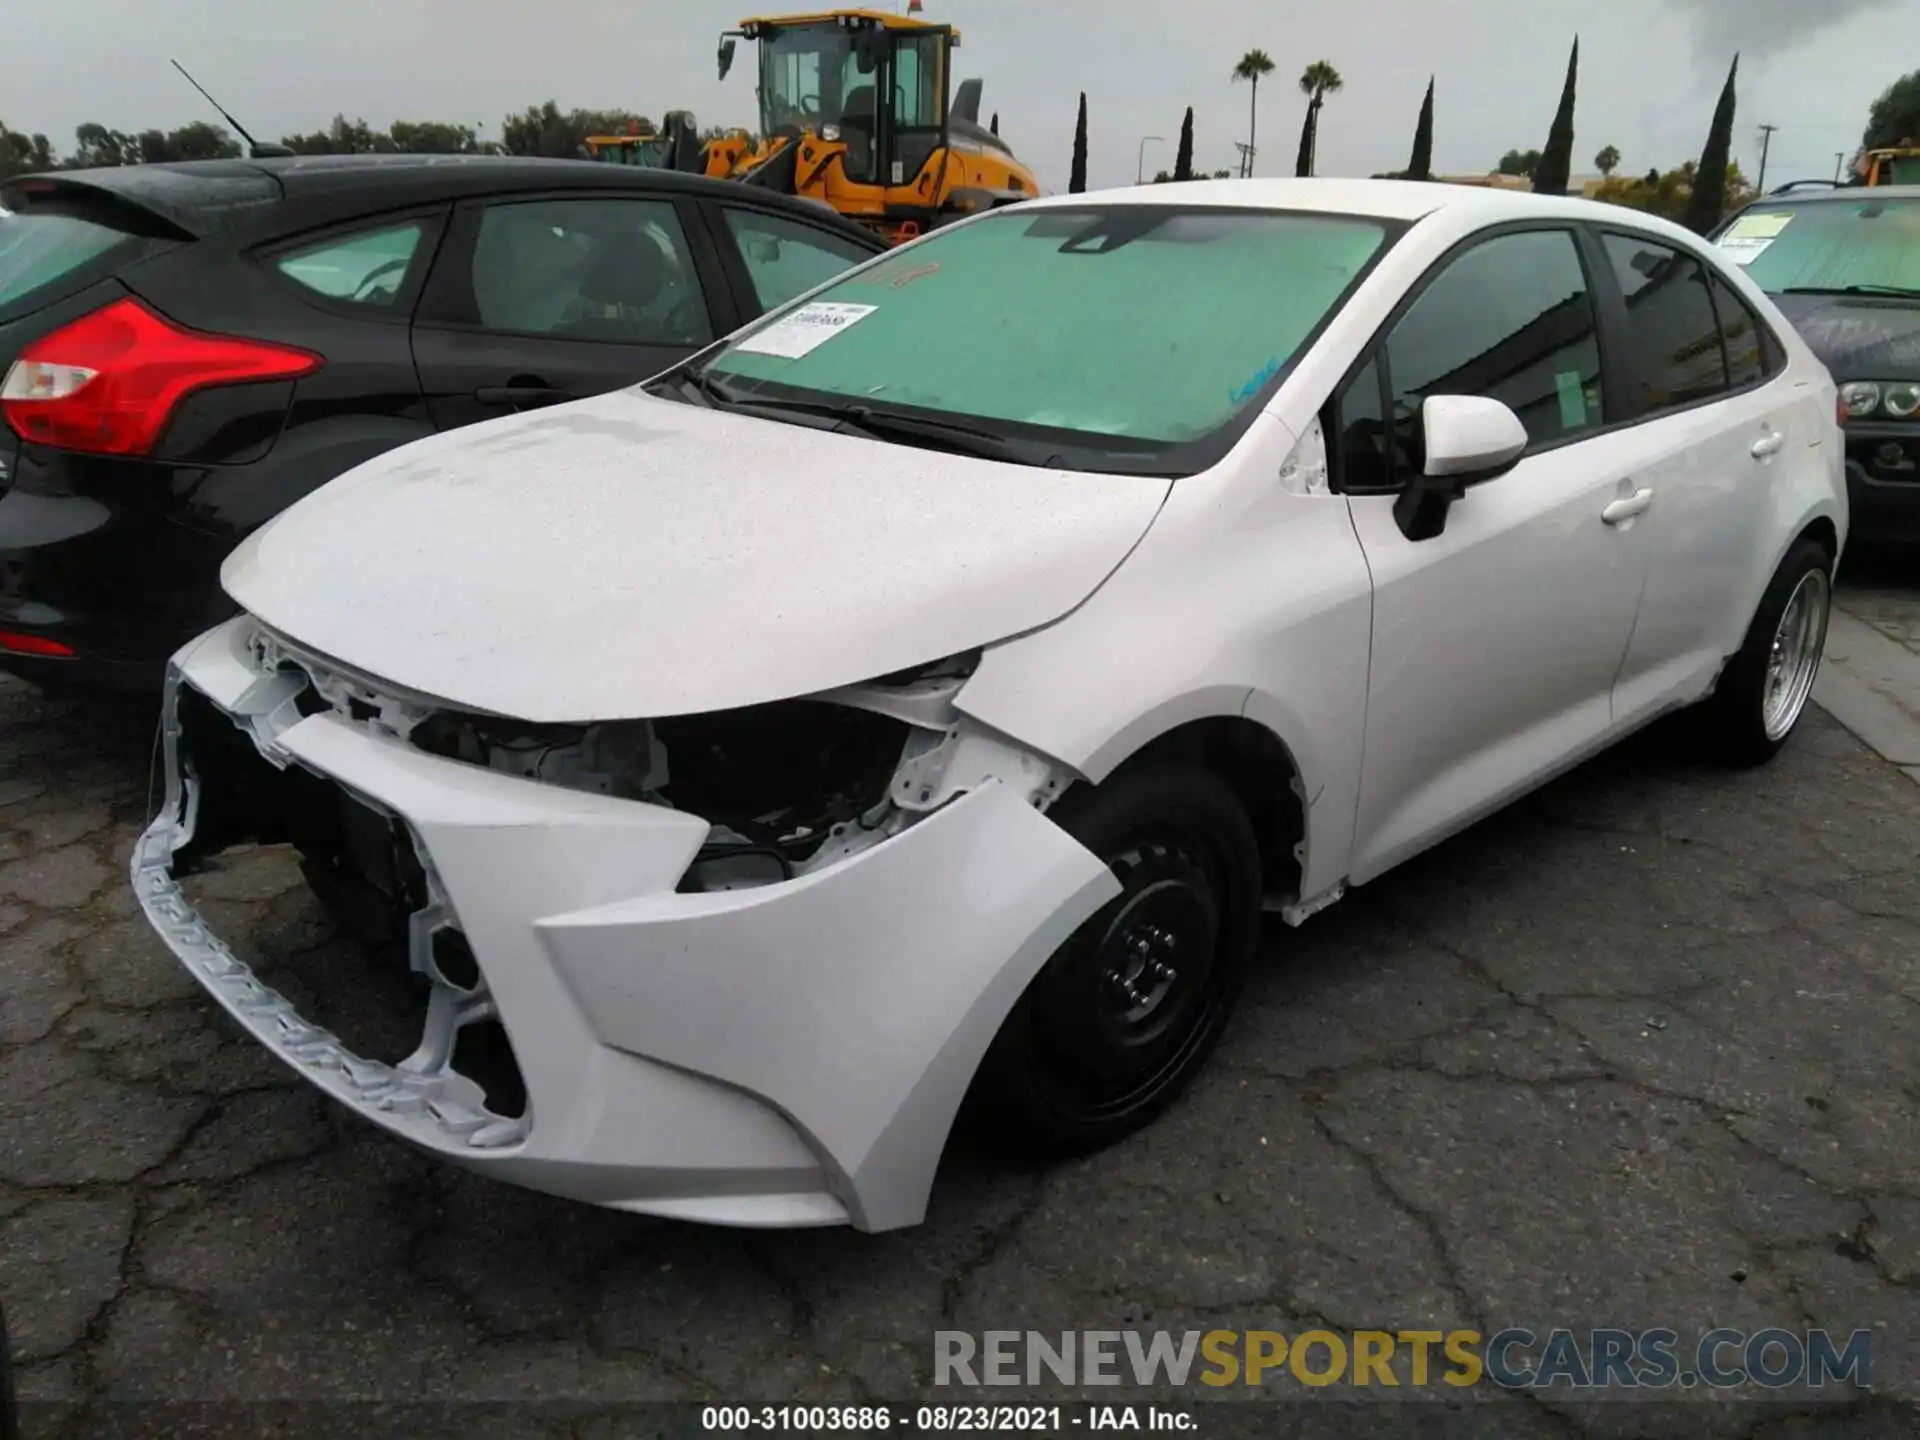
1125 1013
1763 692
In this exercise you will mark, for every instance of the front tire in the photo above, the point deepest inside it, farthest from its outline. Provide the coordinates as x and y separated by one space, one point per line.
1126 1012
1763 693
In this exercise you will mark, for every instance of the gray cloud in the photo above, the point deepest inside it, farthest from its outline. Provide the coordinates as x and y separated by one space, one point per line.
1762 29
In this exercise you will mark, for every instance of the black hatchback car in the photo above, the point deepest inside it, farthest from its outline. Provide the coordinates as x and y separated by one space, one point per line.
1844 266
186 350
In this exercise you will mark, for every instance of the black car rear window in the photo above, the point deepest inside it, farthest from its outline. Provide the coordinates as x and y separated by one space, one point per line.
44 243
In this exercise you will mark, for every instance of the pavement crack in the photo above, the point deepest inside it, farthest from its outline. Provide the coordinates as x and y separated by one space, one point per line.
1420 1215
953 1284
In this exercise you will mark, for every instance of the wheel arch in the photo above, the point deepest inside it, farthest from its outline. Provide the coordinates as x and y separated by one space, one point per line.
1257 764
1823 532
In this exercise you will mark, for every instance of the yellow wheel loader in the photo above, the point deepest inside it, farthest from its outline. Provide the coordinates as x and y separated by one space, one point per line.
854 114
1895 165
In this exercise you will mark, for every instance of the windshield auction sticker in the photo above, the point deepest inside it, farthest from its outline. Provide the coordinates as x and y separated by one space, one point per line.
805 330
1748 237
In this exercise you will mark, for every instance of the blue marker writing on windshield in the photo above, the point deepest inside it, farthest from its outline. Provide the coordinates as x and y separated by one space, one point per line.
1252 388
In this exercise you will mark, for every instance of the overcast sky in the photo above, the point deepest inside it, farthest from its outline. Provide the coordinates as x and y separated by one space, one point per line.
1649 75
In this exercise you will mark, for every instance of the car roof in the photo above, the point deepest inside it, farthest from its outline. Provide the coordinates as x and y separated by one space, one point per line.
1841 195
202 197
1401 200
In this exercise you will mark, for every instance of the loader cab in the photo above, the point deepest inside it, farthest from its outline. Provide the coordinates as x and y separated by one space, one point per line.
875 83
1896 165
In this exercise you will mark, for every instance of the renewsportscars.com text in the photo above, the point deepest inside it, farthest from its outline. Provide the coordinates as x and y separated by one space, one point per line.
1513 1359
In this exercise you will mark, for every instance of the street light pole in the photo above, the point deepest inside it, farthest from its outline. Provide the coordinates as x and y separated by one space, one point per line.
1839 159
1766 143
1140 168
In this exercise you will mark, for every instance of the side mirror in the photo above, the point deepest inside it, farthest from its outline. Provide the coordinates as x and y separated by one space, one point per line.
726 57
869 48
1467 439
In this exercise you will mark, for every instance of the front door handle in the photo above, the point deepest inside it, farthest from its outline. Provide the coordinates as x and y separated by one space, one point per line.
1768 444
1625 508
520 395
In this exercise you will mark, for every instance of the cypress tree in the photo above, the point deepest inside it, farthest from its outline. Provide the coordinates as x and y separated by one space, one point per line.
1555 169
1183 158
995 127
1421 166
1077 184
1709 196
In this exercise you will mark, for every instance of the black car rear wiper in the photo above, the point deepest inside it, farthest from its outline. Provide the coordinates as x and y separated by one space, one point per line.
1906 291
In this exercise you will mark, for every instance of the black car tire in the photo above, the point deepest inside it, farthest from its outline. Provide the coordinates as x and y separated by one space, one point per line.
1125 1013
1734 726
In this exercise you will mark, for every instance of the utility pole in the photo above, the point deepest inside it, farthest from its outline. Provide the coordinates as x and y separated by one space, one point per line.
1766 143
1839 159
1246 159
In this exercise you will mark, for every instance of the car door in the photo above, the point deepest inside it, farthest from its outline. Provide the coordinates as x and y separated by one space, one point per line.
1715 420
1495 642
541 299
773 258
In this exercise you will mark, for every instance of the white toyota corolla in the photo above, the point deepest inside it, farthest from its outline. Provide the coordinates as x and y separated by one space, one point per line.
924 691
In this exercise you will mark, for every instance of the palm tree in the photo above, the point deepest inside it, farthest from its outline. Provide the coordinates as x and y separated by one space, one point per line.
1253 66
1317 81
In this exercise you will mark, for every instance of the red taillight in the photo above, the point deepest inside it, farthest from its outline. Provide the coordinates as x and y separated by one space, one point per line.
32 645
109 382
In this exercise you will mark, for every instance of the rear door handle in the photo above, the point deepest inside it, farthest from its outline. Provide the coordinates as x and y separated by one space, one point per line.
1624 509
1767 445
520 395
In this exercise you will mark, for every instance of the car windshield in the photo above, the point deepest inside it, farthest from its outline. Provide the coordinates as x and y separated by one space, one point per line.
1127 337
1829 244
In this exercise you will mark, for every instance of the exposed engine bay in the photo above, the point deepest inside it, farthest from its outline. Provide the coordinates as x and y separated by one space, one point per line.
787 787
775 781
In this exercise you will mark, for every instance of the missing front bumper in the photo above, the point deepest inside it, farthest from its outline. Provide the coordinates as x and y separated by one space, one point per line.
791 1054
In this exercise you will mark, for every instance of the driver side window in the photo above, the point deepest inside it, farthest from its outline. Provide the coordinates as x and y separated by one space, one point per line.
368 267
1512 319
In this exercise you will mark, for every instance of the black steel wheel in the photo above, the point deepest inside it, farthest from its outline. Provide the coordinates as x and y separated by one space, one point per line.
1124 1014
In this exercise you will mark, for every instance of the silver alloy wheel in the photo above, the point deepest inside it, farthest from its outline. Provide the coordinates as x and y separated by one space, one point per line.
1795 657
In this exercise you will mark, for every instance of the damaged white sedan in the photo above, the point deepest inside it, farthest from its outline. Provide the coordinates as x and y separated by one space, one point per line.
923 693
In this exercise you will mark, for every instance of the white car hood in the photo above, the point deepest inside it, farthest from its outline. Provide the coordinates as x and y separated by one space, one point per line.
627 557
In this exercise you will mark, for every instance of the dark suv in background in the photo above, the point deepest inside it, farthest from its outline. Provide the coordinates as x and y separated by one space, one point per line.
186 350
1844 266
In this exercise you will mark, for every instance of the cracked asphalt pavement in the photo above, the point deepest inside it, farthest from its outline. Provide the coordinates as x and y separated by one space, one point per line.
1642 1051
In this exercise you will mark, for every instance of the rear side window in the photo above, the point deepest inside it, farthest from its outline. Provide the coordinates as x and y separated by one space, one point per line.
785 259
1510 319
1678 358
41 246
1749 356
368 267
